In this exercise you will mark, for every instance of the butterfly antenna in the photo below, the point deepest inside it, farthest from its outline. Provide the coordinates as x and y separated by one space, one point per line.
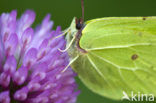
72 61
82 6
71 42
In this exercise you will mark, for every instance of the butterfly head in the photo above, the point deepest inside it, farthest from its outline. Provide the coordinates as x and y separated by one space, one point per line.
79 24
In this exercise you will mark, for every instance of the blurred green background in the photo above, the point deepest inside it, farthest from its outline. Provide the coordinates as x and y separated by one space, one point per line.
63 11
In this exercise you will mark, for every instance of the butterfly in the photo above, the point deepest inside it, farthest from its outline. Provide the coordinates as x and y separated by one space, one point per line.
114 54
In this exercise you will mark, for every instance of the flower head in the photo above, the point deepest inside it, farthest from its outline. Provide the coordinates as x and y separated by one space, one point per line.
30 63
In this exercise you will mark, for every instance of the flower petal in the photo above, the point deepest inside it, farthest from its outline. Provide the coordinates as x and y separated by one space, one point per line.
21 94
11 44
4 79
10 65
25 21
4 97
8 24
30 58
27 36
20 75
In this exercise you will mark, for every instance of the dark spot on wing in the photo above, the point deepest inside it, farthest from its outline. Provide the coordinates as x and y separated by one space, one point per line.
148 77
144 18
140 34
134 56
152 67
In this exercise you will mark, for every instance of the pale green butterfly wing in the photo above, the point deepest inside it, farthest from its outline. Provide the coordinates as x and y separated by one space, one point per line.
121 56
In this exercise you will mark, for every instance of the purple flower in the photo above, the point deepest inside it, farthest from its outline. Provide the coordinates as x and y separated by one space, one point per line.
30 63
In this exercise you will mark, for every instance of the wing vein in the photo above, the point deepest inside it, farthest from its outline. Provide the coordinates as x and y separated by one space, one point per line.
112 63
100 73
120 46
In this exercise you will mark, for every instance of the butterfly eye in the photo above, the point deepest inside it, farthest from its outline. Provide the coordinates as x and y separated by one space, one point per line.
79 24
